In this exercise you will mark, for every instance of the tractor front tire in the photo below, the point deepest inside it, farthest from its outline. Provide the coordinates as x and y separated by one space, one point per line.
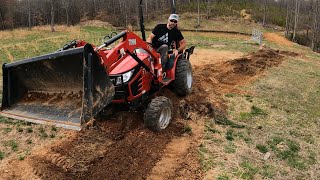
183 81
158 114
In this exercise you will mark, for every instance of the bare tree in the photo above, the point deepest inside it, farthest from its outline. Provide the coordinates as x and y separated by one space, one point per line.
287 31
146 2
66 6
264 12
289 19
316 26
52 15
296 19
208 9
198 13
29 15
1 19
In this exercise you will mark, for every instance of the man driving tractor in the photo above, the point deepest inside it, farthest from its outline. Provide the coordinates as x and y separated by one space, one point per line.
165 35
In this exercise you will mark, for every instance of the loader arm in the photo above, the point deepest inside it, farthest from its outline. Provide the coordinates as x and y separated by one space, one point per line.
126 48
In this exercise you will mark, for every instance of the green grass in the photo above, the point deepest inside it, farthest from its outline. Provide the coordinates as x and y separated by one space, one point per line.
40 42
268 171
248 170
222 177
229 135
205 158
228 122
42 133
7 130
230 95
230 148
262 148
206 41
280 116
274 142
21 157
279 113
1 155
29 130
12 144
8 121
187 129
255 111
211 130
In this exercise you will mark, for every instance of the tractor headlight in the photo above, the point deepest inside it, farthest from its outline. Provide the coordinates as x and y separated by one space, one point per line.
126 76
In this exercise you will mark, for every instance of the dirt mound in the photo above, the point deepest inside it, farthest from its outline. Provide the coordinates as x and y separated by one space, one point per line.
289 53
256 62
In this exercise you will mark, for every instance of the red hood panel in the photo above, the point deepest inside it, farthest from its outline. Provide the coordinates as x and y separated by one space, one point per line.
127 64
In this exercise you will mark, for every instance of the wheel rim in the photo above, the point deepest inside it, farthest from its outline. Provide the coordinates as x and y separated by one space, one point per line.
189 79
165 117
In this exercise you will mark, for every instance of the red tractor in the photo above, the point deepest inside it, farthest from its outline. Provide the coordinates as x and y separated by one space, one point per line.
70 87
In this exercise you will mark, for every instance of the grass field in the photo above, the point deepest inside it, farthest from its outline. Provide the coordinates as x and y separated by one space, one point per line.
279 115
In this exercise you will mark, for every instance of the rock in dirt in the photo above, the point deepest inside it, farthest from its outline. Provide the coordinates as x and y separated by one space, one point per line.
267 156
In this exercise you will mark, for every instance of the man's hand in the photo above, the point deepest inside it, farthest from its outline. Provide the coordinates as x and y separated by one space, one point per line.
150 37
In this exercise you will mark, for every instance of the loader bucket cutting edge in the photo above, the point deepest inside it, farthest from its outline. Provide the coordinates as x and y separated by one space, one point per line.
65 88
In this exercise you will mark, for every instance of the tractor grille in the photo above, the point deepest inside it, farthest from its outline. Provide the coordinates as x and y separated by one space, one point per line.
120 92
136 85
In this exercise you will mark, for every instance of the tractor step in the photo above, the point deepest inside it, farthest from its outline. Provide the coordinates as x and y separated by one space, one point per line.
165 80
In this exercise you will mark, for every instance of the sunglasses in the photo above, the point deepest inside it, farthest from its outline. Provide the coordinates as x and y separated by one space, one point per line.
174 21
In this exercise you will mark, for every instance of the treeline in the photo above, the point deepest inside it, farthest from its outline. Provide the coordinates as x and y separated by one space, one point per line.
303 22
28 13
299 17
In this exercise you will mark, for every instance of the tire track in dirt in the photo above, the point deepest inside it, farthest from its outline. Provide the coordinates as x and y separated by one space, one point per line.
121 148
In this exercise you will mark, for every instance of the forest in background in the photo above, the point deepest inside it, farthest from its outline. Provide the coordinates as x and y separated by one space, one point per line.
300 18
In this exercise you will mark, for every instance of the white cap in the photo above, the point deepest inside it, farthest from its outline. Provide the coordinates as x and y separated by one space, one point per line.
174 16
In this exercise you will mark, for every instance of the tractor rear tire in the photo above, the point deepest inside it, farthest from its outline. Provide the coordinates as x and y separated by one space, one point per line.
183 81
158 114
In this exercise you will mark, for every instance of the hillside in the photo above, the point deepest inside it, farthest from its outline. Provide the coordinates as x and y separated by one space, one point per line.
252 114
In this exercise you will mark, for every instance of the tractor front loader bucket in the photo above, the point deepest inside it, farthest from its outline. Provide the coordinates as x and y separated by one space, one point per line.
65 88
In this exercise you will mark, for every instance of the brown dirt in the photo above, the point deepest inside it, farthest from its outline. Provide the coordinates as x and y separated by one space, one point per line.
122 148
61 98
278 39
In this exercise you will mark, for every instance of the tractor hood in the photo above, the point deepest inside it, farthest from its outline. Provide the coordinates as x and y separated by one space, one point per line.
127 64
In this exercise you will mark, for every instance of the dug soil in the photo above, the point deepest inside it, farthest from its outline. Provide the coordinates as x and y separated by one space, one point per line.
120 147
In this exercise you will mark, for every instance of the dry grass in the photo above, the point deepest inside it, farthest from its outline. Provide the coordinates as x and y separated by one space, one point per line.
9 55
190 21
285 123
19 138
281 116
23 43
14 34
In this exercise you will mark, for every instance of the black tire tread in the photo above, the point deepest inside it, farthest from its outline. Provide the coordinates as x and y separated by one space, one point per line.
180 83
152 114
